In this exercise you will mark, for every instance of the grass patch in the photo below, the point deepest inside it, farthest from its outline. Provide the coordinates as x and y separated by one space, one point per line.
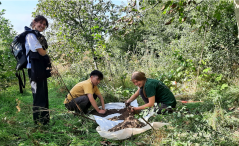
203 123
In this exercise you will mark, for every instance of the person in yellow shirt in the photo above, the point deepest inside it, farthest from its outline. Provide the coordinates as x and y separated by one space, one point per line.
85 93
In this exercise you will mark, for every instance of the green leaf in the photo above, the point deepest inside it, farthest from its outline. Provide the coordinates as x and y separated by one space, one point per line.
217 15
178 69
141 22
224 86
167 4
180 19
219 78
207 69
193 21
179 114
135 10
143 8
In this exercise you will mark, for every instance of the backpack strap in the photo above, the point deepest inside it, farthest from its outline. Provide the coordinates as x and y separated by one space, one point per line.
21 84
18 75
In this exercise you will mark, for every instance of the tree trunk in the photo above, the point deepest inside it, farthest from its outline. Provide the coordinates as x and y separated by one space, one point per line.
236 4
94 58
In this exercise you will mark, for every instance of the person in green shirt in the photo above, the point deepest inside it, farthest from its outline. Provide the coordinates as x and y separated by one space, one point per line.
152 91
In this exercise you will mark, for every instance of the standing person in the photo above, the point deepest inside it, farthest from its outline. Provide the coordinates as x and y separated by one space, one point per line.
38 61
152 91
85 93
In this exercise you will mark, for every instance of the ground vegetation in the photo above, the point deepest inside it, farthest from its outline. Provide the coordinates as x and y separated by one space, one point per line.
191 46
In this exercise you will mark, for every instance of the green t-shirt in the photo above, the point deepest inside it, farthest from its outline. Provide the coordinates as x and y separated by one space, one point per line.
161 92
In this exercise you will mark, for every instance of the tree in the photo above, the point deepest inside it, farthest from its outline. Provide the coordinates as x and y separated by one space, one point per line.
178 11
83 24
7 60
204 34
182 8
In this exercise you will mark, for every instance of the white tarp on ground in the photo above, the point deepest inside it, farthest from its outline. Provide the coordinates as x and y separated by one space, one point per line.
105 124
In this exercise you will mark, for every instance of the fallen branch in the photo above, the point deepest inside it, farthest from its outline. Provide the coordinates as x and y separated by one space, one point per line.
148 123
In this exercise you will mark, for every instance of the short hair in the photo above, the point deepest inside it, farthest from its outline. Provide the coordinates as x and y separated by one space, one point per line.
139 76
39 18
97 73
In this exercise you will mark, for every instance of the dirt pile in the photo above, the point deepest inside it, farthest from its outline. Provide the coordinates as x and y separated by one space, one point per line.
129 120
108 112
124 114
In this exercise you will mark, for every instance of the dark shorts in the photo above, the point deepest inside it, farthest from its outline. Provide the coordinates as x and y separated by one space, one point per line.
83 102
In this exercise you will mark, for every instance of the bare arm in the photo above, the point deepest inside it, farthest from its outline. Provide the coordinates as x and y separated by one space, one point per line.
150 104
41 51
94 104
102 101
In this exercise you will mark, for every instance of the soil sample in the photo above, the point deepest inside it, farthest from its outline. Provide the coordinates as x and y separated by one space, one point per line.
124 114
129 122
128 117
108 112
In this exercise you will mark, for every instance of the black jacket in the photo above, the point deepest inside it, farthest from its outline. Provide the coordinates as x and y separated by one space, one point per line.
40 65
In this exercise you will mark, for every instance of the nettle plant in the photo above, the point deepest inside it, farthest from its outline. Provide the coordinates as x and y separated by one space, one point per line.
183 70
125 92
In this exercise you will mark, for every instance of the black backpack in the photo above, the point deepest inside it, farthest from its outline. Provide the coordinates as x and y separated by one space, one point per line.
18 49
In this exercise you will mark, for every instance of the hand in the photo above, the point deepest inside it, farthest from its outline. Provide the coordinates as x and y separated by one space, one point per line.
133 110
102 111
102 108
127 103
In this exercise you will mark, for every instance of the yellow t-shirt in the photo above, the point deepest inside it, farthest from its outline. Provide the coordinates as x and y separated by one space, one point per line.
82 88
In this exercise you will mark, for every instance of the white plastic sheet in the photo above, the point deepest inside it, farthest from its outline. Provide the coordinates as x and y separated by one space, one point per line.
105 124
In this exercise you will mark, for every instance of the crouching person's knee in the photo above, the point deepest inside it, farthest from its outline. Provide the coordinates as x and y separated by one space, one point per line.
67 105
162 108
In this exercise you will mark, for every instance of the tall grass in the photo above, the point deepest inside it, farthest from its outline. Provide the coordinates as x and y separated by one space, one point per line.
211 122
